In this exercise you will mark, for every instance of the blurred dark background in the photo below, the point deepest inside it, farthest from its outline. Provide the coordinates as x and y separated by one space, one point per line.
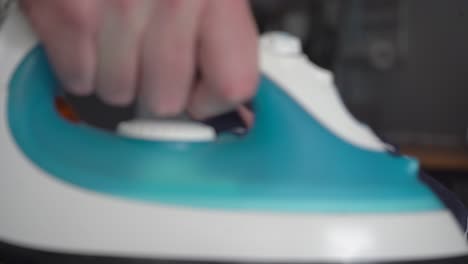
401 66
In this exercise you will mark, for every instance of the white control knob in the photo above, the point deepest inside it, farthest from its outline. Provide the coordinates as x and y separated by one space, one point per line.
184 131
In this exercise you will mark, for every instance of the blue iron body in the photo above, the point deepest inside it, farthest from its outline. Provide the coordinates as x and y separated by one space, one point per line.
288 162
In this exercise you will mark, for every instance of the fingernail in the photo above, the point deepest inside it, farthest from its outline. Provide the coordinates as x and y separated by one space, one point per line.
79 87
116 92
206 111
247 116
168 106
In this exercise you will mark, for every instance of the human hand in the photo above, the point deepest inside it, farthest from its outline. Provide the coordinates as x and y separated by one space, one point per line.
174 56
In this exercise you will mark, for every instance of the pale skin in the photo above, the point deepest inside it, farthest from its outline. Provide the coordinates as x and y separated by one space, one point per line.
174 56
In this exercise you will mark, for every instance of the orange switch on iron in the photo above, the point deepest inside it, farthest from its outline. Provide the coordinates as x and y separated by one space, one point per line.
65 110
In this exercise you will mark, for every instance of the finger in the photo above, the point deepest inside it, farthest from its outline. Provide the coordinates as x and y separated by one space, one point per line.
247 116
168 60
66 29
228 59
119 38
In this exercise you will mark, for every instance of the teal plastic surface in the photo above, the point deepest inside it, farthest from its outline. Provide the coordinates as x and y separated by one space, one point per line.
288 162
